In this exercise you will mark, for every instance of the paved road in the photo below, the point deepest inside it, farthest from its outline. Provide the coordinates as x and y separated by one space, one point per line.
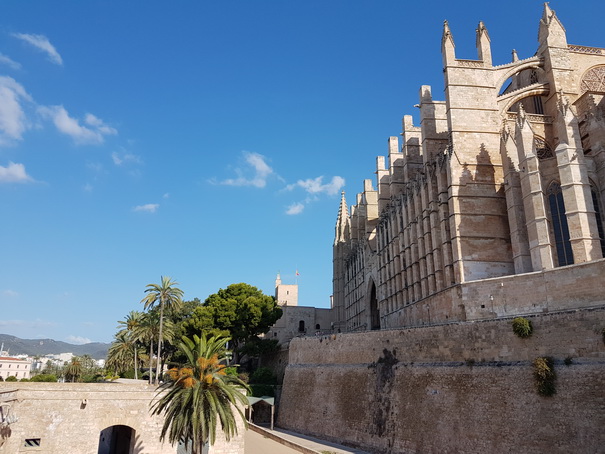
257 444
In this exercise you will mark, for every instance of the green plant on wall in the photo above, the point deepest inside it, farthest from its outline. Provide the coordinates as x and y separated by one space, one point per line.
522 327
544 373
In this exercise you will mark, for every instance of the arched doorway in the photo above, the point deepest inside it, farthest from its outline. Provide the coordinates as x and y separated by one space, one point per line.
116 439
374 313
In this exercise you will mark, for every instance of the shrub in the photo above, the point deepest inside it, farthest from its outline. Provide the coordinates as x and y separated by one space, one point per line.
544 373
44 378
263 376
11 378
262 390
522 327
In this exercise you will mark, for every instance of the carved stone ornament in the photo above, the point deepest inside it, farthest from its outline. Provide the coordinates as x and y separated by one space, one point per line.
594 80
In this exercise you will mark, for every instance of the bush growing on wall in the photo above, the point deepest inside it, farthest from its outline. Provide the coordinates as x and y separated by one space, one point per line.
544 373
522 327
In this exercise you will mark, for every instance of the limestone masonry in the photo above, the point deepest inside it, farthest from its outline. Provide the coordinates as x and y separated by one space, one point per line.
491 208
504 177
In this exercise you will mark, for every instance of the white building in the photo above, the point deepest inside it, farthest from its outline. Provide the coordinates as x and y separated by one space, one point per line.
18 368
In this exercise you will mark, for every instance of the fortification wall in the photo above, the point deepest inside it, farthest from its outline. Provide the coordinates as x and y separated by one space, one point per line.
69 418
464 387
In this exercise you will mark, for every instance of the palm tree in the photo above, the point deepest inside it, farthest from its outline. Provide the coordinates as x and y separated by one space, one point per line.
165 294
200 394
74 370
130 325
120 353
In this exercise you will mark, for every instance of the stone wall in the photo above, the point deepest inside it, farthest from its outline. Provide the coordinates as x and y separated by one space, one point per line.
461 387
69 418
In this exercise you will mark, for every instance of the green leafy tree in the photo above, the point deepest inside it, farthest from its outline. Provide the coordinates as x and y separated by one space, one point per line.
167 296
199 395
241 310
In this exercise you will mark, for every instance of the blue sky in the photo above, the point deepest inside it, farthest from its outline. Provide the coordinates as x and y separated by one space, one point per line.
206 141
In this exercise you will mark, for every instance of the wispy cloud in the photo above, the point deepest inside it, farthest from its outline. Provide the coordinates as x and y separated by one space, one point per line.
37 323
147 208
87 187
92 134
14 173
10 293
4 60
41 43
79 340
295 208
124 158
12 116
315 185
255 173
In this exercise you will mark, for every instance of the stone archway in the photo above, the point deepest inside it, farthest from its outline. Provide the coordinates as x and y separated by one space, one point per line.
118 439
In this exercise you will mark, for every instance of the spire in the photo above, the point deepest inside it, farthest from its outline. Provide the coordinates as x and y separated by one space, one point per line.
551 30
447 45
343 222
278 280
484 49
515 56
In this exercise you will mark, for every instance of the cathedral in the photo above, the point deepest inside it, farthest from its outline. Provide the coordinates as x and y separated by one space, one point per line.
493 205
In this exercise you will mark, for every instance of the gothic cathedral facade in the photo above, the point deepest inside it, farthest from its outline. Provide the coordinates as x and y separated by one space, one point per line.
503 179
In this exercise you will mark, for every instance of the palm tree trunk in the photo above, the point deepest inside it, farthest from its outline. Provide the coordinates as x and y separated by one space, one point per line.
136 363
157 370
151 362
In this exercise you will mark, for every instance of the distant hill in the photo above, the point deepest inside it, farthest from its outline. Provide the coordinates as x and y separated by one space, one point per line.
41 347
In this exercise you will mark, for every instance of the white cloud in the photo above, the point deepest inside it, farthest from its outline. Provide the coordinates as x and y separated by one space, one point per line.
122 158
71 126
166 196
37 323
12 117
315 186
10 293
42 43
87 187
77 339
255 164
295 208
9 62
14 173
147 208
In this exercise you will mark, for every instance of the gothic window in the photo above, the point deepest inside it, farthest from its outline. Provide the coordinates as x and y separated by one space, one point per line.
594 79
599 219
533 77
559 225
543 150
538 107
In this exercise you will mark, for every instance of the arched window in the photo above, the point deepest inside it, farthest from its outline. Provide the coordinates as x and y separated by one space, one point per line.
543 150
599 219
317 326
559 225
301 326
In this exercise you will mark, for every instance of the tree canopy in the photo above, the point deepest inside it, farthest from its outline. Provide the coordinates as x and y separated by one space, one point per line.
241 310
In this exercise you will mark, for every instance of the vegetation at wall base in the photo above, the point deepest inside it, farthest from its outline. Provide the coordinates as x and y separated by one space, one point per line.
545 376
522 327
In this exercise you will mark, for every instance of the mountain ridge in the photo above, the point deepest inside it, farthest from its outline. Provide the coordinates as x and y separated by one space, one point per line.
41 347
